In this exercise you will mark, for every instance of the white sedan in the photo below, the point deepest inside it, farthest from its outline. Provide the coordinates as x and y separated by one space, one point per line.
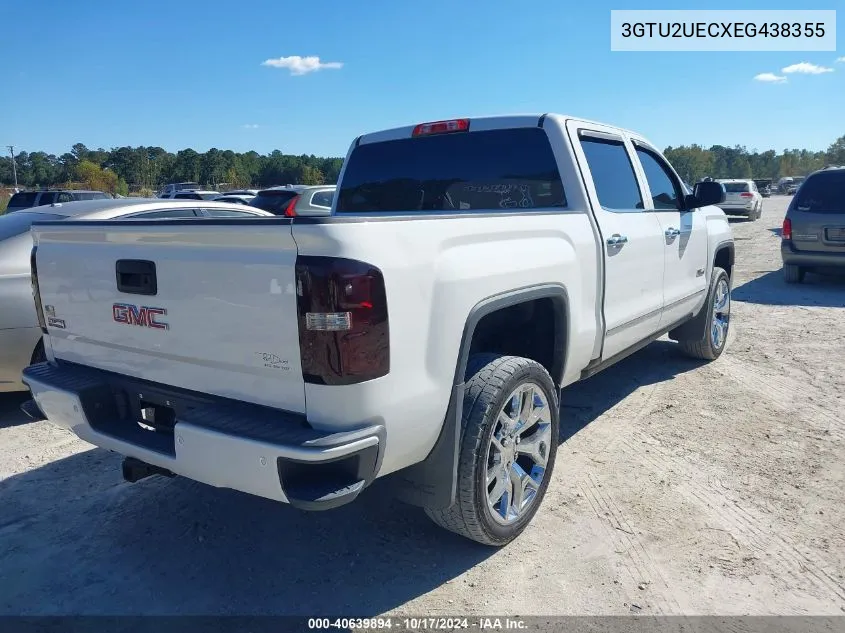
20 336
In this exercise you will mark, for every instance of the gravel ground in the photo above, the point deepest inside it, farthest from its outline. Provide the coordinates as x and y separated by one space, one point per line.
680 488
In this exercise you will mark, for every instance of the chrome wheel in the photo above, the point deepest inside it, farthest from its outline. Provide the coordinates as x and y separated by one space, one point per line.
721 314
518 453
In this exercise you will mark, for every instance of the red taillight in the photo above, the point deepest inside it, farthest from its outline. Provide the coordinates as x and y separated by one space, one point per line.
343 324
746 195
290 209
36 292
442 127
786 230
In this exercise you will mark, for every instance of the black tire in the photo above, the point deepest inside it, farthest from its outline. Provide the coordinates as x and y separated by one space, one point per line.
793 274
491 379
38 355
698 341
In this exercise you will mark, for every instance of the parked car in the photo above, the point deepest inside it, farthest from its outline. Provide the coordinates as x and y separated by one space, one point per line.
764 186
813 233
29 199
741 198
471 268
168 190
293 200
194 194
20 335
235 198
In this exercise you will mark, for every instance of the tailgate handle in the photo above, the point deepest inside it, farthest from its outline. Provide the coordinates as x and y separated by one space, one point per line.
136 276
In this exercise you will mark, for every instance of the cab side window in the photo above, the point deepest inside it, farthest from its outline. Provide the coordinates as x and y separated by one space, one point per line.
665 191
613 174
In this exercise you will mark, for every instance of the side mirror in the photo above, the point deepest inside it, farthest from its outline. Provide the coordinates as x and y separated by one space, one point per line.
705 194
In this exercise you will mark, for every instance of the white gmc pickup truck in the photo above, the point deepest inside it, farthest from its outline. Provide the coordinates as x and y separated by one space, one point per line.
470 269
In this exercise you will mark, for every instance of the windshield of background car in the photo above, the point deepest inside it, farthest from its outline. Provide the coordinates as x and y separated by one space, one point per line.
495 170
273 201
16 223
823 193
735 187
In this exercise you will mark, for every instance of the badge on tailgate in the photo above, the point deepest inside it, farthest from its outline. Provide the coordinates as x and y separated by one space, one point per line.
143 316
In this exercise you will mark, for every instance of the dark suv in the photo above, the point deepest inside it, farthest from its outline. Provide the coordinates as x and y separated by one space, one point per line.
813 234
27 199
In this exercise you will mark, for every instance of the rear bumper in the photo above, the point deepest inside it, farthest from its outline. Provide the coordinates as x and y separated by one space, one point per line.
810 259
220 442
16 348
743 209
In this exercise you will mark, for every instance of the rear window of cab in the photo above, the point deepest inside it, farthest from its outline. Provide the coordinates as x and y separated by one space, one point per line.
493 170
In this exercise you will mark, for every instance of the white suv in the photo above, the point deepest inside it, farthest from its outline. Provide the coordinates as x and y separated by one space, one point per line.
742 198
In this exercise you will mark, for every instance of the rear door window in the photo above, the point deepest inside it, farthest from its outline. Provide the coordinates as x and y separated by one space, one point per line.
822 193
322 199
735 187
172 213
613 174
47 197
495 170
231 213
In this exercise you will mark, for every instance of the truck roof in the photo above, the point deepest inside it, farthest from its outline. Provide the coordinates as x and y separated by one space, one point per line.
489 122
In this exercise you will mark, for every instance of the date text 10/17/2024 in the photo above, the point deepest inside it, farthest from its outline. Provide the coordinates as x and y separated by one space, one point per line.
418 624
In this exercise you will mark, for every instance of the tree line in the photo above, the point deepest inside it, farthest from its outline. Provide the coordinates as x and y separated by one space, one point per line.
694 162
145 169
125 169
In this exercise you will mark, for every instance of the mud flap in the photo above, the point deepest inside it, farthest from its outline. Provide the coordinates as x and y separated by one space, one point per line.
432 483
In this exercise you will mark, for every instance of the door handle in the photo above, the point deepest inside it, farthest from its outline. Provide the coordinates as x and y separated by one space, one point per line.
671 232
617 240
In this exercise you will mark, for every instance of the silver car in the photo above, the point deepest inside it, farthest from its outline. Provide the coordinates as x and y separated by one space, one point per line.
741 198
20 336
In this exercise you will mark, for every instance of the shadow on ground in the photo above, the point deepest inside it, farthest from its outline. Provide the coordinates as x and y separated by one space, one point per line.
74 538
585 401
817 290
10 409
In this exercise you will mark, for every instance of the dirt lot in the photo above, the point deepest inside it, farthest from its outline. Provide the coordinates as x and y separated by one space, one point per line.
680 488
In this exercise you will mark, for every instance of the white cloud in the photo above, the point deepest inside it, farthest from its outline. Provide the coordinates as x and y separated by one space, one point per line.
841 59
250 126
805 68
300 65
770 78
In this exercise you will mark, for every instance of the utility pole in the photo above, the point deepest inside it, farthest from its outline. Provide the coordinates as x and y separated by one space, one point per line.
14 169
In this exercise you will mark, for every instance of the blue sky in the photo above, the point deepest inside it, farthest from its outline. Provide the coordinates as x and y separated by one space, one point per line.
189 73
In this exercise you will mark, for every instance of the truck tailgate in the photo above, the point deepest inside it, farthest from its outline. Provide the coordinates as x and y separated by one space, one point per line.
203 305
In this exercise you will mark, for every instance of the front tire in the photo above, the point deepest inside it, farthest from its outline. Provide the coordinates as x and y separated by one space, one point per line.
793 274
509 437
711 331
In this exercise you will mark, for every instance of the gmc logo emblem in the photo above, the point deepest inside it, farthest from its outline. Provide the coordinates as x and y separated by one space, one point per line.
144 316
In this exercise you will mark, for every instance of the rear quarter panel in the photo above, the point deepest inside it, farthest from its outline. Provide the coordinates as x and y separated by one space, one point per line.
436 271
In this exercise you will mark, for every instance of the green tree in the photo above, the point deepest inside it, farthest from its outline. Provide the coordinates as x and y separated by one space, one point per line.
836 152
95 177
